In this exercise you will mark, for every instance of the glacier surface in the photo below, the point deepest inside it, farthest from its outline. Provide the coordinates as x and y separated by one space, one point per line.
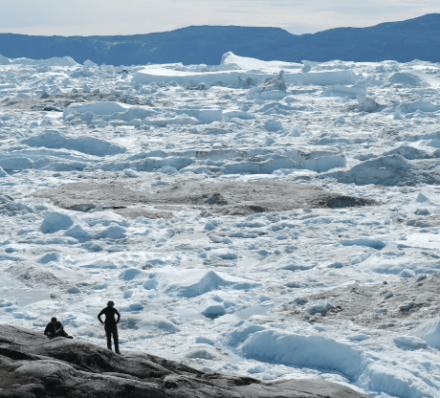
280 225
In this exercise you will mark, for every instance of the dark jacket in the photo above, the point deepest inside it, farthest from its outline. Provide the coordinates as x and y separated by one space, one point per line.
110 313
52 328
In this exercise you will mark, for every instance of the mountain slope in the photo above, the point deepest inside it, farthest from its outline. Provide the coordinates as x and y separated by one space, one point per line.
417 38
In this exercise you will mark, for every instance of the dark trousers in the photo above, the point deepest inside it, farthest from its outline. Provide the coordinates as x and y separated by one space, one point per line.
60 333
109 331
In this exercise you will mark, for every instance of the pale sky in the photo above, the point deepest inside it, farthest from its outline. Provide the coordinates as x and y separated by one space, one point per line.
111 17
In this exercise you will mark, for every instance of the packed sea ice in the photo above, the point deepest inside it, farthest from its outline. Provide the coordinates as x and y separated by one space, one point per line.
166 189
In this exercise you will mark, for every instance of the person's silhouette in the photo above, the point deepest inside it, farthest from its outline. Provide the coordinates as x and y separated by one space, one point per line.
55 329
110 325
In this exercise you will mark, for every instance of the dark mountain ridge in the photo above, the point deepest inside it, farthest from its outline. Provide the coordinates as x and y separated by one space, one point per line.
404 41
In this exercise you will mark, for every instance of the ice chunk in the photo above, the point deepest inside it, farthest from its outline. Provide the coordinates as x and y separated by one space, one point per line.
307 66
101 286
49 257
4 60
422 198
406 306
242 332
114 111
210 225
157 322
216 130
397 114
338 90
204 340
400 380
230 61
55 221
167 170
225 254
54 61
131 173
194 282
96 108
16 163
275 83
367 104
303 351
320 307
88 145
419 105
213 308
202 353
410 342
233 77
176 162
429 331
269 140
293 133
75 319
209 281
405 78
273 125
131 274
261 93
136 307
374 243
358 337
115 232
78 233
407 273
5 303
238 114
385 170
89 64
215 199
162 122
343 77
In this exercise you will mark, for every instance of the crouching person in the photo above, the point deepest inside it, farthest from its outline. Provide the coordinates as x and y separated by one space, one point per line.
55 329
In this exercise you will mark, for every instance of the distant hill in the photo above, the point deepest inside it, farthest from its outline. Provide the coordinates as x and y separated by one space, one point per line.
417 38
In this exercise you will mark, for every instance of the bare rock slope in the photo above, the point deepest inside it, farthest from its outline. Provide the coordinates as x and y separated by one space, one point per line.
391 306
232 197
33 366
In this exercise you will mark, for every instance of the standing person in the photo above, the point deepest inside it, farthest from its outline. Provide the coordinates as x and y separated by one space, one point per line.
55 329
110 325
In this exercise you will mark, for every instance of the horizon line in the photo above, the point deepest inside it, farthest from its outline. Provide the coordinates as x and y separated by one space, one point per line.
221 26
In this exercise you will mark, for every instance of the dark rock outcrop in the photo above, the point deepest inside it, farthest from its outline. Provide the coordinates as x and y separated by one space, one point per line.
33 366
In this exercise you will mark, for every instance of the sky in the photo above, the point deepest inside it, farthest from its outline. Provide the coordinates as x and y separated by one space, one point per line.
110 17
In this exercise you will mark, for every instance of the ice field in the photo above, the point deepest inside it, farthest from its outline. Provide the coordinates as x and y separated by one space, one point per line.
272 219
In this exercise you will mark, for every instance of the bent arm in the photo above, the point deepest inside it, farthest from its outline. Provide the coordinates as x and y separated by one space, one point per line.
119 316
99 316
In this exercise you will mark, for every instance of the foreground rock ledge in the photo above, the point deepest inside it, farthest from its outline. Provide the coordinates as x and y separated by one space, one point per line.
33 366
